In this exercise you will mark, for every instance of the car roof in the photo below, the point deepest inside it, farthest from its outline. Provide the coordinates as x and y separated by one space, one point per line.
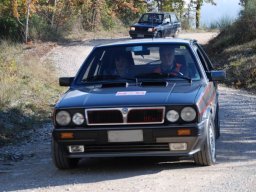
148 41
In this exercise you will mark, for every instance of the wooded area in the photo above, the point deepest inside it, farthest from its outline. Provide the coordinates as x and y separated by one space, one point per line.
23 20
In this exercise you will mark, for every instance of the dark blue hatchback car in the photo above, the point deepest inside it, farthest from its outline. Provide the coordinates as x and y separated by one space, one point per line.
160 24
153 97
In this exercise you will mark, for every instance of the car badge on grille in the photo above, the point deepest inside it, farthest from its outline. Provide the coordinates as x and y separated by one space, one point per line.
124 111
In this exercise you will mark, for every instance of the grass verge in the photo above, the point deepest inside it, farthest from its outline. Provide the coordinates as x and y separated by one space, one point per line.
239 62
28 88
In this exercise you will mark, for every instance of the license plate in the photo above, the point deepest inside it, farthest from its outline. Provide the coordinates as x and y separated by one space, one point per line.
125 136
140 35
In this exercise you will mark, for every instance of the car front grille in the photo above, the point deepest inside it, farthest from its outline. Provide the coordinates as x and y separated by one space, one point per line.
141 29
123 116
105 117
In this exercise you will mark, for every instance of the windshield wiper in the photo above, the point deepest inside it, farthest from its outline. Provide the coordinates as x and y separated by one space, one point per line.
102 77
180 75
108 78
163 75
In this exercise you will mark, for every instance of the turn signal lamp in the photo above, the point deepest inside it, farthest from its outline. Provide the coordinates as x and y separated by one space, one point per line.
184 132
67 135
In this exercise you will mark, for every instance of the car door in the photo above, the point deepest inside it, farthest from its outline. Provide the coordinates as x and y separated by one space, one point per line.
175 23
167 26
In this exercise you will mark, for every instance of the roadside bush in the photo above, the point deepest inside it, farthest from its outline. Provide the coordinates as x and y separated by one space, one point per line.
10 29
241 31
222 24
28 87
234 49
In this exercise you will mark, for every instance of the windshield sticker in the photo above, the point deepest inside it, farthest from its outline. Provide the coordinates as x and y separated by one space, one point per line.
125 93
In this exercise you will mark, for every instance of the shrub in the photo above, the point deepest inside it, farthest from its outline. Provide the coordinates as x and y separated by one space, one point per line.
28 87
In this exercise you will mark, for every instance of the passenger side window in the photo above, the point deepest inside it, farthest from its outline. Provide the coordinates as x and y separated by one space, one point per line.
207 60
202 59
173 18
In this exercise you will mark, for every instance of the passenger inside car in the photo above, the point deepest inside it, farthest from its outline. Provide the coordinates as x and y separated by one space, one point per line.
123 64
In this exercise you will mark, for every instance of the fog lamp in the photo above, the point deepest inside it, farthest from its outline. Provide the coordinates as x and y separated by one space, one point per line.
178 146
76 148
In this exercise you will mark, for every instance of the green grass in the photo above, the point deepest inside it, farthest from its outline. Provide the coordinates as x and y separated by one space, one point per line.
234 49
222 23
28 88
239 61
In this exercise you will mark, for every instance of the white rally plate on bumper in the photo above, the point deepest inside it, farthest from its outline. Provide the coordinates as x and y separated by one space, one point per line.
125 136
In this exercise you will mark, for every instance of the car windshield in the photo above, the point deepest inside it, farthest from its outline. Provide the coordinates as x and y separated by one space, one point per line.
138 62
151 18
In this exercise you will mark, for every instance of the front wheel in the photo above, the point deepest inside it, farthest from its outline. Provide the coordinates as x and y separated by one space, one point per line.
175 35
59 158
159 34
207 155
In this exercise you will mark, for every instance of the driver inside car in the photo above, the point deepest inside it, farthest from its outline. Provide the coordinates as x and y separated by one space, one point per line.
171 64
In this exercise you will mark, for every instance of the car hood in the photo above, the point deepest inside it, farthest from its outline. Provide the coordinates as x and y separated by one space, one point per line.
172 94
146 25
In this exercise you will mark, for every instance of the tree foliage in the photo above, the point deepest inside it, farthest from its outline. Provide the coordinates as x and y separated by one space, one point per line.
42 19
55 16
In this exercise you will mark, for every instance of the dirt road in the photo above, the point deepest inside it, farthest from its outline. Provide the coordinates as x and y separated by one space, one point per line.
31 169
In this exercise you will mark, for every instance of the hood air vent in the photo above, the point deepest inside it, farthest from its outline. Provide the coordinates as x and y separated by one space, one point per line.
117 84
155 83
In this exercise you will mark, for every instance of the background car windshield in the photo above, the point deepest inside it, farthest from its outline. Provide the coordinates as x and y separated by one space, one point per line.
151 18
138 61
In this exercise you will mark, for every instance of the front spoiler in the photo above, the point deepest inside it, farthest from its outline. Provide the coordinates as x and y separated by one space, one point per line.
96 139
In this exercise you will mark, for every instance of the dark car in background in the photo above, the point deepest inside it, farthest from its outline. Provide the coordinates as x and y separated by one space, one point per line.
156 25
141 112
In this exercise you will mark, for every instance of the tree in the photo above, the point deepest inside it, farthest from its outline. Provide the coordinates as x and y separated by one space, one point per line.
199 4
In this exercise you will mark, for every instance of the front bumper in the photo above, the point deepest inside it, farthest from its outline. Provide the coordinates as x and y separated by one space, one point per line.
155 142
142 34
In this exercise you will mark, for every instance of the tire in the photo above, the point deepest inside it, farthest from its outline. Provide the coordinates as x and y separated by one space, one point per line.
207 155
217 123
159 34
59 158
175 35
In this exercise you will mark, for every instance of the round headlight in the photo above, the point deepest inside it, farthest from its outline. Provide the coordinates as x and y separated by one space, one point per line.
63 118
78 119
188 114
132 28
172 116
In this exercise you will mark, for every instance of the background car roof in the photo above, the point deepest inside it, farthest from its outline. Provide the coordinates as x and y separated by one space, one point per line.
148 41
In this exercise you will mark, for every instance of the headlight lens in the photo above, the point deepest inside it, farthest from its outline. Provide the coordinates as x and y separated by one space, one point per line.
172 116
151 29
188 114
78 119
132 28
63 118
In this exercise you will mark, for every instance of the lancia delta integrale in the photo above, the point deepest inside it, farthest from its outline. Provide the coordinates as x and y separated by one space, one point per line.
153 97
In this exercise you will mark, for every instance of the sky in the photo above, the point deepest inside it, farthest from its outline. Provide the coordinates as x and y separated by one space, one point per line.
224 8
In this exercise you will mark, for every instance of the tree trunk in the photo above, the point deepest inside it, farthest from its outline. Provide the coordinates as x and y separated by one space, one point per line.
198 12
27 21
53 14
